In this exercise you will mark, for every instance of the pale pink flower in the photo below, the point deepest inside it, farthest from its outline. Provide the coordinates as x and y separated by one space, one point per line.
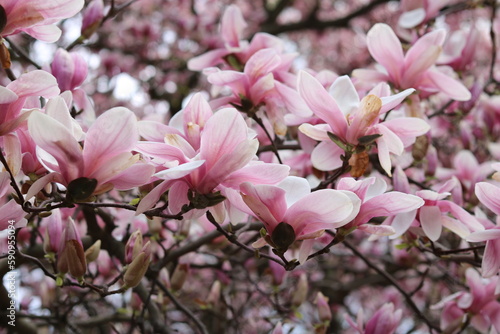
13 97
106 156
224 160
350 119
416 12
10 211
290 212
38 18
376 202
384 321
489 196
480 306
416 69
436 213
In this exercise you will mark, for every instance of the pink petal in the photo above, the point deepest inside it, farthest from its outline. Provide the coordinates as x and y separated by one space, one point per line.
345 94
385 48
402 222
155 131
55 138
394 144
407 128
326 156
321 103
412 18
225 130
316 132
209 59
479 236
262 63
162 153
489 195
114 132
152 197
392 101
7 96
257 173
491 258
232 26
292 100
267 203
367 75
46 33
458 212
134 176
388 204
321 208
449 86
430 220
35 83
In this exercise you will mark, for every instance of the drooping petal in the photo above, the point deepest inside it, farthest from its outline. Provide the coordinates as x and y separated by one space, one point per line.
407 128
392 101
479 236
325 207
430 220
317 132
388 204
449 86
257 173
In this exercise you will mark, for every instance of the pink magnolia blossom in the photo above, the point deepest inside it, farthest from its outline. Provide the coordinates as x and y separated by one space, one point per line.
489 195
376 202
416 12
384 321
436 213
480 305
106 156
290 212
235 51
37 18
70 70
14 96
11 210
415 69
350 119
223 161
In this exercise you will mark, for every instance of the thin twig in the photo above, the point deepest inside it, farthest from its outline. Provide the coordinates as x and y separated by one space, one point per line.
393 281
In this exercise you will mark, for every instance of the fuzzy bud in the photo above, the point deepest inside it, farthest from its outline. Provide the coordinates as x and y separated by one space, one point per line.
179 276
137 269
92 252
133 246
92 18
300 294
71 256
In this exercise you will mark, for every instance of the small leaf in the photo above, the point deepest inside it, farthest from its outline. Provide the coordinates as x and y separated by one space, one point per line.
337 141
369 139
80 189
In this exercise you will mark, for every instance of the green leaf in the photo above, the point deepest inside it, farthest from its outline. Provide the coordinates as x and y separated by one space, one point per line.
340 143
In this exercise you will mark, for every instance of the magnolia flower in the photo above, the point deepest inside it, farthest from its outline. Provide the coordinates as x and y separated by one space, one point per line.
489 195
290 212
104 163
415 69
416 12
384 321
352 120
37 18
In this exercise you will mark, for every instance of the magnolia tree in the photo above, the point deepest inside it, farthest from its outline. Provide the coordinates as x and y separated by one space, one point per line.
263 166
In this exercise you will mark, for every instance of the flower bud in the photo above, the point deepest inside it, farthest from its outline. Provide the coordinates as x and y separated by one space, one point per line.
300 294
92 18
53 233
133 246
324 311
92 252
179 276
71 257
137 269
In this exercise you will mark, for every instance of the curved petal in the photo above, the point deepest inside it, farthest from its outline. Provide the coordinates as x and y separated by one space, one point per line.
345 94
326 156
266 202
386 49
449 86
321 103
491 258
430 220
489 195
323 207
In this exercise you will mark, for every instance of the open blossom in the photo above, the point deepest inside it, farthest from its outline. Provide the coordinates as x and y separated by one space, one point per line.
436 213
489 195
416 69
105 158
11 210
224 160
235 51
416 12
384 321
376 202
480 305
37 18
350 119
291 212
13 97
